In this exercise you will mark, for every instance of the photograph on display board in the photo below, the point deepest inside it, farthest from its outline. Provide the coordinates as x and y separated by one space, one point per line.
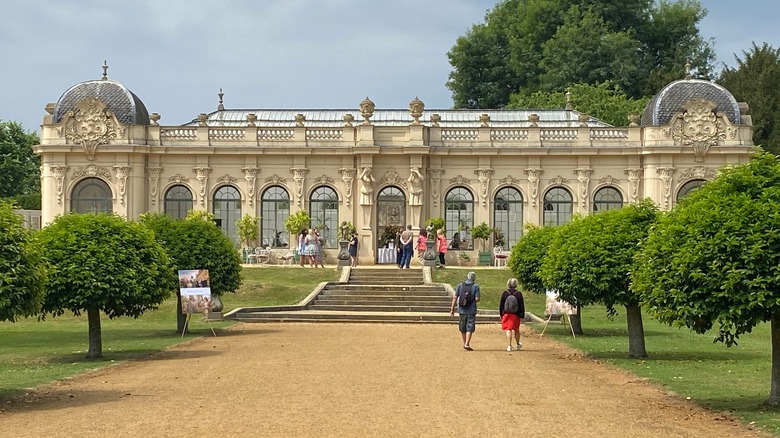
195 291
555 306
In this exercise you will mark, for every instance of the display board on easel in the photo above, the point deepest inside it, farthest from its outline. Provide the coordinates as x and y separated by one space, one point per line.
558 309
195 290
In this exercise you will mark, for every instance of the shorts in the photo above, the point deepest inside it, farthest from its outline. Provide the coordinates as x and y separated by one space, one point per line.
510 321
467 323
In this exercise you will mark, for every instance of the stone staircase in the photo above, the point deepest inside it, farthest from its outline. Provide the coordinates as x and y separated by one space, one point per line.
377 295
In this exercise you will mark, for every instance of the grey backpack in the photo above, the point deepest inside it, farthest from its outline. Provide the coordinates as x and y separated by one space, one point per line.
510 304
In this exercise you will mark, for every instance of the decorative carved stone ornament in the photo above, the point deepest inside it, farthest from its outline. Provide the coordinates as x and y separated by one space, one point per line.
484 179
415 182
348 176
484 120
299 119
90 125
92 170
275 179
634 174
121 176
416 107
250 175
666 179
202 119
533 177
533 120
348 119
392 177
179 179
324 179
583 119
251 120
155 118
227 179
366 187
460 180
367 110
583 176
698 126
558 180
154 178
59 179
699 172
609 180
299 174
202 175
435 119
435 176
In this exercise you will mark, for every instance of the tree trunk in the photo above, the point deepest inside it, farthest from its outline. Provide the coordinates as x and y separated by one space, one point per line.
636 331
181 318
95 339
774 390
576 321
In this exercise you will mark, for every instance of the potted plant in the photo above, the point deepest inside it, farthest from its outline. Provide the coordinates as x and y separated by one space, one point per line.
498 238
463 258
248 232
296 222
433 224
388 235
345 235
482 232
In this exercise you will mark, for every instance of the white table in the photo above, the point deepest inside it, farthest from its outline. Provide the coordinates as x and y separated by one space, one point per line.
386 255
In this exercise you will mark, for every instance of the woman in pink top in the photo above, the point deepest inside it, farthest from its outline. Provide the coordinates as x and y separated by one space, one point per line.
421 239
442 246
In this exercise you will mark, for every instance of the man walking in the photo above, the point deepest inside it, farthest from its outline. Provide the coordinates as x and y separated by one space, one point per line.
466 298
408 246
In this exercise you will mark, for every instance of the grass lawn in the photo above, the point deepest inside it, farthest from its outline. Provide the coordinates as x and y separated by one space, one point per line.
33 352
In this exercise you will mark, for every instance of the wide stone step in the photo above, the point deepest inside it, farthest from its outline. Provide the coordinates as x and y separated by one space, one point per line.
387 287
377 307
389 293
362 299
387 281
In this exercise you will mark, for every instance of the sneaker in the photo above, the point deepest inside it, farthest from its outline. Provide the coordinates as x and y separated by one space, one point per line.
468 348
519 345
509 348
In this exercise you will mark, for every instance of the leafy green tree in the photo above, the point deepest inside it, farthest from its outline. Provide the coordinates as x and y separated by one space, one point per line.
526 258
248 230
197 244
525 46
591 260
103 263
603 101
756 80
19 167
21 267
714 259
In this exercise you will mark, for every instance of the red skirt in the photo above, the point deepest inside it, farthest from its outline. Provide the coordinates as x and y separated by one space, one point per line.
510 321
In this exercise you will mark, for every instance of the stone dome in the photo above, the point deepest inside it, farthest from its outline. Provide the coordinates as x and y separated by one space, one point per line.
126 106
669 101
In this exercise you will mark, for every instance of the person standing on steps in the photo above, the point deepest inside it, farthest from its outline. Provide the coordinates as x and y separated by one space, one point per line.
407 241
512 312
421 247
441 246
399 250
353 247
466 298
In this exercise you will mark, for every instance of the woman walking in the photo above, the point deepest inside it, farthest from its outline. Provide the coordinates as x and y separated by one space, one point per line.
512 310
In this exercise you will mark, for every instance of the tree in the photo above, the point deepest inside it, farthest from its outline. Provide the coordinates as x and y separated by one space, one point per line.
22 272
197 244
591 261
248 230
714 258
527 255
525 46
101 262
603 101
19 167
756 80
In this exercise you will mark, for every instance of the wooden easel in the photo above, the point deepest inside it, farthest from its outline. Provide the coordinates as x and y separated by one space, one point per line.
187 323
563 316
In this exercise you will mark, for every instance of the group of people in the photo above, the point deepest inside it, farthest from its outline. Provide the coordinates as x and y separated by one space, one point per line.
310 248
405 245
512 311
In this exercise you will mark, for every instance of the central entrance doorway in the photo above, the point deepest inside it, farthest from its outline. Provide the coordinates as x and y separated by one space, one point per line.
390 214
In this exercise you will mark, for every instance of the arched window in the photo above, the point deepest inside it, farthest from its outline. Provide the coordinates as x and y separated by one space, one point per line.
227 211
459 217
607 198
688 187
178 202
507 217
274 210
91 195
324 212
557 206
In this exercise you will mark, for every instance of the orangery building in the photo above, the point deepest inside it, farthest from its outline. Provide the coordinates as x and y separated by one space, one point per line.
102 150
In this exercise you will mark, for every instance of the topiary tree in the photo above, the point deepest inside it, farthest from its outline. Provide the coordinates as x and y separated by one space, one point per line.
593 261
248 229
21 267
296 222
481 232
103 263
527 256
714 259
197 244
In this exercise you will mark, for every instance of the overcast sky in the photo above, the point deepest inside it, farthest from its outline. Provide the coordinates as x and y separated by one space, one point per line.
176 54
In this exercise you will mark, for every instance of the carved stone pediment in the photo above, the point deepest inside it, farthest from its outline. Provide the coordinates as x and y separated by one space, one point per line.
460 180
227 179
324 179
698 126
558 180
609 180
90 125
275 179
393 178
699 172
179 178
509 181
92 170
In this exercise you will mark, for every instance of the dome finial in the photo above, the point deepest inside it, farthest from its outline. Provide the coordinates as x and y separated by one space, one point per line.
569 106
687 69
220 107
105 70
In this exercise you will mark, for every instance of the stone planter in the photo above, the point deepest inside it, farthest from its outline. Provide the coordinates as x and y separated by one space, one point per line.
343 256
484 258
429 256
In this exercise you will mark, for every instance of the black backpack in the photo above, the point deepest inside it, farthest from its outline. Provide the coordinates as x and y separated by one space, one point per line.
466 297
510 304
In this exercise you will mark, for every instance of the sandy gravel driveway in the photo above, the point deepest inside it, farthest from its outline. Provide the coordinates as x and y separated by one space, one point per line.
359 380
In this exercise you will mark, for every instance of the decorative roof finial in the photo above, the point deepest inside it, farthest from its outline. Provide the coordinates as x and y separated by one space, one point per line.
687 69
220 107
569 106
105 70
